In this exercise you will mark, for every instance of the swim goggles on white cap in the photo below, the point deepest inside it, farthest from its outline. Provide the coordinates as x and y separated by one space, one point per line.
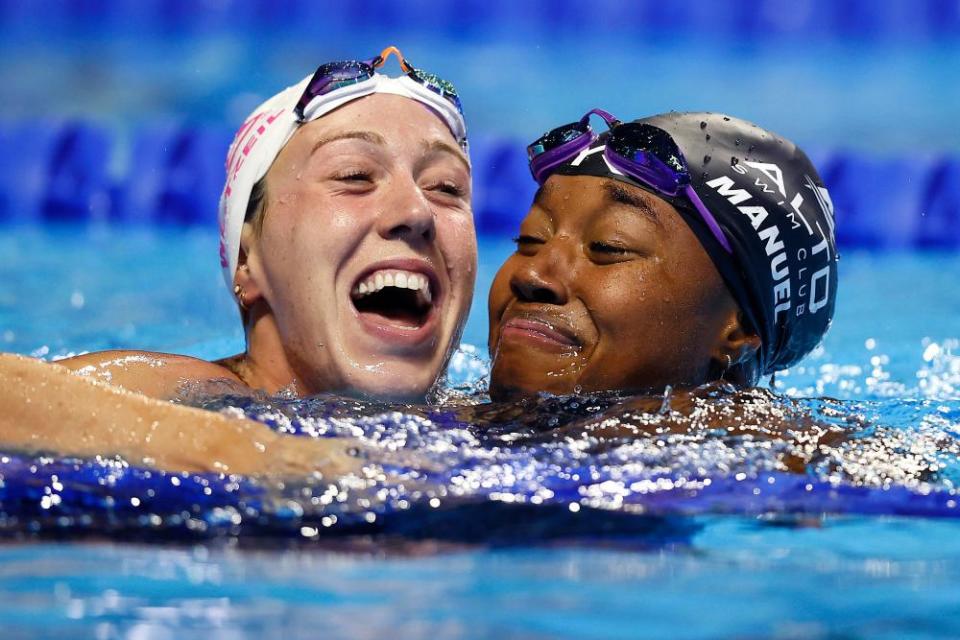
334 76
262 136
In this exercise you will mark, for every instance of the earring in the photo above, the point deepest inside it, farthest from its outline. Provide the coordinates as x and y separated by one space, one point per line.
729 364
238 292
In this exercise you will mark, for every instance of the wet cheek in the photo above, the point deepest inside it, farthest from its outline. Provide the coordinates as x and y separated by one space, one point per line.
324 232
287 200
458 244
458 237
500 288
618 299
339 218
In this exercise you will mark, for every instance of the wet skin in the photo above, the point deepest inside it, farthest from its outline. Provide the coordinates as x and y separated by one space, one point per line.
608 289
378 186
351 194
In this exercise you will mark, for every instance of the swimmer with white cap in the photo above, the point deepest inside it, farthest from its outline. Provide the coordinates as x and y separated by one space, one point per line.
346 238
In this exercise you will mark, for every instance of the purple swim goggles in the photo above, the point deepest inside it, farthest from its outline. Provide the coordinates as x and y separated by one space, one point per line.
643 152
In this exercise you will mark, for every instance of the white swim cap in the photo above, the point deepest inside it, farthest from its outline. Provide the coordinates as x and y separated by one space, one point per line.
266 131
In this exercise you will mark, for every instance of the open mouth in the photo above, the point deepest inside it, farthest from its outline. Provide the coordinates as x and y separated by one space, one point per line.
394 296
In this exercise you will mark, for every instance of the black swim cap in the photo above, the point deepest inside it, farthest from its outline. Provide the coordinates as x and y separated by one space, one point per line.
776 214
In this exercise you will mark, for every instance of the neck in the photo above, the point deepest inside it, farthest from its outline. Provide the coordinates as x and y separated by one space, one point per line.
265 365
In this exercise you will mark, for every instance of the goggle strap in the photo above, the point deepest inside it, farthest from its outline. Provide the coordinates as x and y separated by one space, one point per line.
386 53
712 223
607 117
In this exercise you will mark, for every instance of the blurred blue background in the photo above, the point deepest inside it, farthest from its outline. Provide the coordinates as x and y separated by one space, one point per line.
121 111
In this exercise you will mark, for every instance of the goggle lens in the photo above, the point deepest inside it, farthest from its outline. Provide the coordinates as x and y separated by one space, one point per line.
644 152
443 88
633 141
556 138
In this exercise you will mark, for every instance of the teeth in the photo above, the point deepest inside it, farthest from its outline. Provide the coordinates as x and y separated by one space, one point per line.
393 278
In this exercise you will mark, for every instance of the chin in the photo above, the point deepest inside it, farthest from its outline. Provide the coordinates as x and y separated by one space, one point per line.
383 381
512 385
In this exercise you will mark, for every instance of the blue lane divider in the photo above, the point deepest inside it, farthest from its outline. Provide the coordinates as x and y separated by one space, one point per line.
77 187
879 202
175 174
940 214
502 186
25 168
136 199
172 173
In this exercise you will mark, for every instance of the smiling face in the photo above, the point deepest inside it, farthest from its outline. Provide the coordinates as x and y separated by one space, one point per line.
362 275
608 289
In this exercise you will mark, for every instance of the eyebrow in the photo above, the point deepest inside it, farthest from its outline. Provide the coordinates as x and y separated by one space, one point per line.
633 198
367 136
542 193
435 146
377 139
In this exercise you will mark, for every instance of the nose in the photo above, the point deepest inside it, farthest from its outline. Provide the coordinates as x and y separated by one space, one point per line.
542 278
407 215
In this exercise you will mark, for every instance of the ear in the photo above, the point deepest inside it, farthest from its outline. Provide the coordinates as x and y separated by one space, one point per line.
737 344
248 267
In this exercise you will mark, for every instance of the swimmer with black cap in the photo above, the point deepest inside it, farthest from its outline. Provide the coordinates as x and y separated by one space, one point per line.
673 250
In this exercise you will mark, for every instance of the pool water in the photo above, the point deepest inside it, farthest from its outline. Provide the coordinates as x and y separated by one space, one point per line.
753 557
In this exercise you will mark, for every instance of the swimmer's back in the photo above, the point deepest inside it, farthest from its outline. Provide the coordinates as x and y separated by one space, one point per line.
157 375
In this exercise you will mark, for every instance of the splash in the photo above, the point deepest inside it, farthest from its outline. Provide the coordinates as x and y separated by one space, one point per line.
539 468
544 468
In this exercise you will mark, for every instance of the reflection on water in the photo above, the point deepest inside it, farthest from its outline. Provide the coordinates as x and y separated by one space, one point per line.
541 469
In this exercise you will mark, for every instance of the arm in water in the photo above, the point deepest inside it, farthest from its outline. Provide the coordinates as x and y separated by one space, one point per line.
156 375
46 408
713 411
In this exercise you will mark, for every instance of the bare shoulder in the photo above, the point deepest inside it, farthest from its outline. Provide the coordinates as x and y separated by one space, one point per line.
158 375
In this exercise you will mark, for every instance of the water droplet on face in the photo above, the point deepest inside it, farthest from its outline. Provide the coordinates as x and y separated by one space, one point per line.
703 124
706 159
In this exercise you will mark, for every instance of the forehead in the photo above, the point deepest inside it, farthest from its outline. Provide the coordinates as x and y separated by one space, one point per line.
394 119
585 198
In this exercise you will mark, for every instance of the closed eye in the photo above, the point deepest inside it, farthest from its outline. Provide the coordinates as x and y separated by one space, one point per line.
528 245
354 175
603 247
449 188
522 240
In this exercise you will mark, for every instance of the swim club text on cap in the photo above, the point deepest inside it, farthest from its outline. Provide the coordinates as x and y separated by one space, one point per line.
752 198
